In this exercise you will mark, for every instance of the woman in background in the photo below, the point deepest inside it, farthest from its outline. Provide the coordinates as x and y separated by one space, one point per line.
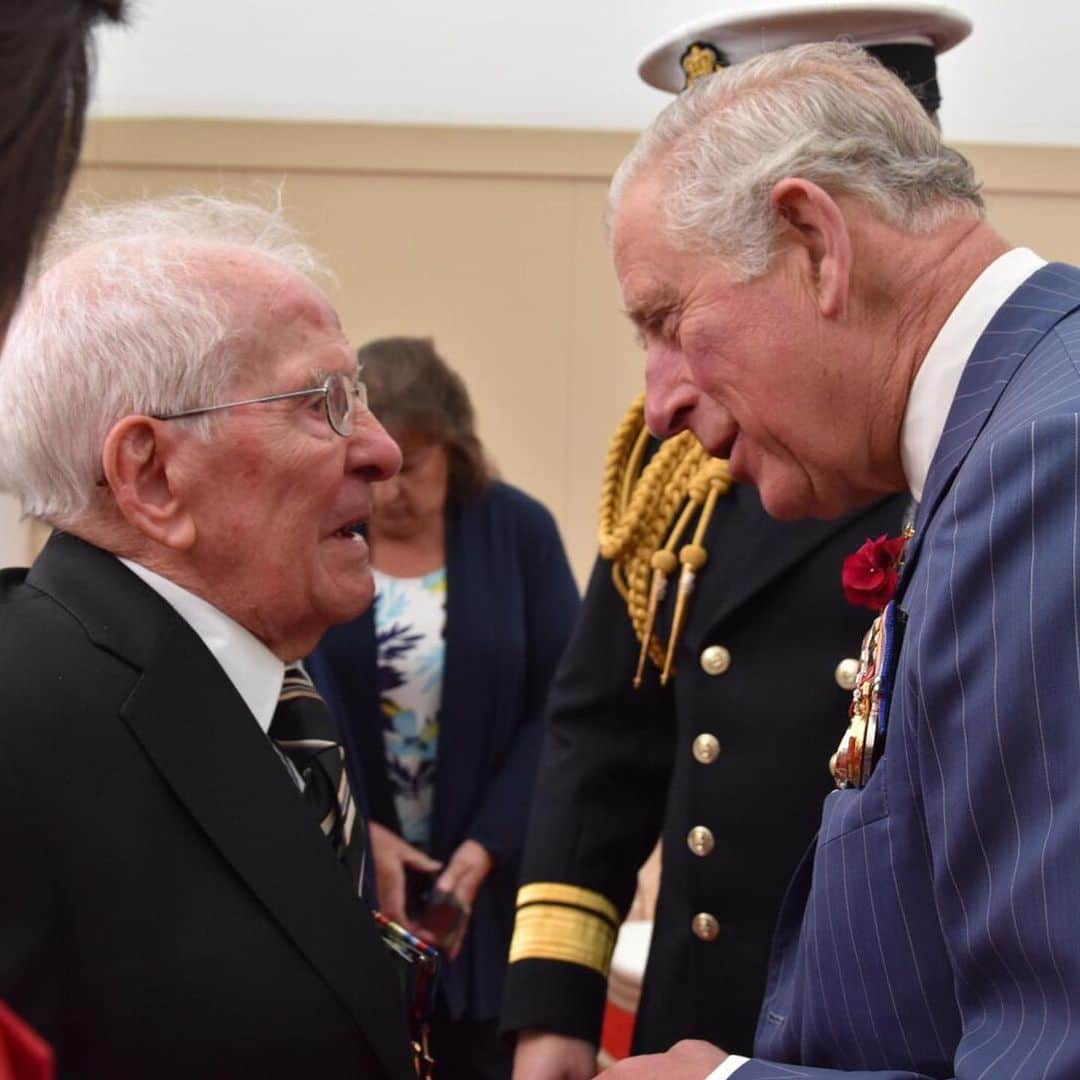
440 688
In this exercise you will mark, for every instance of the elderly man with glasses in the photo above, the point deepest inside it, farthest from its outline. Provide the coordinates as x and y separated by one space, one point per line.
180 403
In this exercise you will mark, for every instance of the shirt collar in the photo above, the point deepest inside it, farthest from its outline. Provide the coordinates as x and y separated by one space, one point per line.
935 383
249 665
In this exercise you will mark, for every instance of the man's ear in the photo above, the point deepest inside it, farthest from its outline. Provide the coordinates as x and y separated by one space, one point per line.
136 461
817 223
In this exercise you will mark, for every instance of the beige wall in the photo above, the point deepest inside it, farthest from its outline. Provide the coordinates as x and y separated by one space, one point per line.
490 240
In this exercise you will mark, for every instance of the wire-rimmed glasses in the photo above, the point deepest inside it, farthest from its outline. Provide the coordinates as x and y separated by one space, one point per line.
341 395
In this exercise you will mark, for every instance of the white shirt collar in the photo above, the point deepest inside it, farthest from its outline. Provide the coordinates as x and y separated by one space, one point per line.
250 666
936 381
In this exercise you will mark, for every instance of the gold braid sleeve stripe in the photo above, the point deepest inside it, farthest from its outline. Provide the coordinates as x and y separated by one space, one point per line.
554 932
556 921
557 892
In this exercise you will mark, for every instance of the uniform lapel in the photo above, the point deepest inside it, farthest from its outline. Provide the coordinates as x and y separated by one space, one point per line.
748 549
1019 324
209 749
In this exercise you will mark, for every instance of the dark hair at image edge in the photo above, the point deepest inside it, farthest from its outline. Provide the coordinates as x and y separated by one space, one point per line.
412 389
44 87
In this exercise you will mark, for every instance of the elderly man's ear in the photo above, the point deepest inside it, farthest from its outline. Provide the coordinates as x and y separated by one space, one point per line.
816 224
139 462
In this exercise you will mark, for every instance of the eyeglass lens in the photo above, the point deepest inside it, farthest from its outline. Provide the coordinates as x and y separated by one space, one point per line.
342 399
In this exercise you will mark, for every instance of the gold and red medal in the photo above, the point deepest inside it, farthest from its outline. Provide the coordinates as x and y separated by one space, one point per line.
850 765
870 578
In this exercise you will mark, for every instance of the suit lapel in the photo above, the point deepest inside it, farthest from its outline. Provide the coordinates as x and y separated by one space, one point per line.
209 749
1019 324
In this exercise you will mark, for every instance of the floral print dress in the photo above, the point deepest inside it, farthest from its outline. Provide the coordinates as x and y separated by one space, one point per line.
410 620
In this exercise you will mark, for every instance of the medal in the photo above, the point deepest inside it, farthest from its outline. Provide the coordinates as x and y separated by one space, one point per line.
850 765
870 579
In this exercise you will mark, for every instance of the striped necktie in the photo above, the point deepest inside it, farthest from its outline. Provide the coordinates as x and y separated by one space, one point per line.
304 730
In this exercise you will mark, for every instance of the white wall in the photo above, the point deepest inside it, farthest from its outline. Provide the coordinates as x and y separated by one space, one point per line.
561 63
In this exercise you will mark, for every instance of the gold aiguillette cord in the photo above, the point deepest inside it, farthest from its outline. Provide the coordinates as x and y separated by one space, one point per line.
712 481
663 564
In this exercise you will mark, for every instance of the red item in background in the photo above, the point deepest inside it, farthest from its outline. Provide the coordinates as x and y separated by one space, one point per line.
24 1054
871 575
618 1034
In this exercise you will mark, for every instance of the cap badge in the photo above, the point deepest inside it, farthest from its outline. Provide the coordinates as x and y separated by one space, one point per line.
701 59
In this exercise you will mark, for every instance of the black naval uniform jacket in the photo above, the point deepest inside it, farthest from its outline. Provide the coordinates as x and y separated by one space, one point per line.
729 762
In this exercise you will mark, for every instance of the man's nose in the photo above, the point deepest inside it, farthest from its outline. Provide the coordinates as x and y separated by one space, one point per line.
669 400
372 451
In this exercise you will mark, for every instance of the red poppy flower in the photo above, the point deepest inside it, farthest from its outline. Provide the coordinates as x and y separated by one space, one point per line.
871 575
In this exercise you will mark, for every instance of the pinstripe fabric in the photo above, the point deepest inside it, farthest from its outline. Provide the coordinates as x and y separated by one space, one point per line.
933 930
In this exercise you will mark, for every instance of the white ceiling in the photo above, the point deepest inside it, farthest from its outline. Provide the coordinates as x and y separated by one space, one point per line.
549 63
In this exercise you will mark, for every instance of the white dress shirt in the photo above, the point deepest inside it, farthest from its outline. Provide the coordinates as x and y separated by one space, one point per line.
729 1065
932 394
249 665
935 383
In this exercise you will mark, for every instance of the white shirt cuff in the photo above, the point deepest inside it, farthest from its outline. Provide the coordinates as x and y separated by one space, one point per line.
730 1064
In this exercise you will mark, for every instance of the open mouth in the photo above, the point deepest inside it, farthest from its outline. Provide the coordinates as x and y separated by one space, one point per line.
349 532
723 448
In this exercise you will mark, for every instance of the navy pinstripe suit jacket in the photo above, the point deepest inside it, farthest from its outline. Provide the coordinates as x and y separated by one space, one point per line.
933 930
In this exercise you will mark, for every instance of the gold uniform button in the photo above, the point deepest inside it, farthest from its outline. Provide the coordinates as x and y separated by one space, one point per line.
700 840
715 660
847 673
706 748
705 927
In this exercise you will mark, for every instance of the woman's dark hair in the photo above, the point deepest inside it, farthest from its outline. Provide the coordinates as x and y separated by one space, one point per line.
44 86
412 389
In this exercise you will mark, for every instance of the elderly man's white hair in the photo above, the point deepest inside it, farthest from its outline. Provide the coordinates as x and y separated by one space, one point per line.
826 113
122 319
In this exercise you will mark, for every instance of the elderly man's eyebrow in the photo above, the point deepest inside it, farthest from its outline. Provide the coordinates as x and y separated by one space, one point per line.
649 309
650 306
319 375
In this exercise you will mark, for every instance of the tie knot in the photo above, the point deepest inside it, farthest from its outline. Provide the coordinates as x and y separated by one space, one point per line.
302 716
297 684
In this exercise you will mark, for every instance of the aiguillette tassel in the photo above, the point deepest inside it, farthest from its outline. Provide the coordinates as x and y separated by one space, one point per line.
693 556
663 565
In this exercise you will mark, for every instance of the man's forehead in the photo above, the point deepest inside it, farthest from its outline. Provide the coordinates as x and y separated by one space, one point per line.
638 227
292 331
266 291
648 269
640 199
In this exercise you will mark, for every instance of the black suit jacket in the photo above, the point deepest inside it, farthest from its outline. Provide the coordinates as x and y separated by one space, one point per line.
618 769
168 908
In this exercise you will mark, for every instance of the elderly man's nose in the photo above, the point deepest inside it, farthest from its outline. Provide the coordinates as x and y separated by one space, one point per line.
668 399
372 450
